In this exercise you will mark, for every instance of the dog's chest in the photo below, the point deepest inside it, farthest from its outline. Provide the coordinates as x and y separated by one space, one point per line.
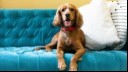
68 41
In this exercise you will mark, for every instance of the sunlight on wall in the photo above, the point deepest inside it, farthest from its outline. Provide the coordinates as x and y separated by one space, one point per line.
39 3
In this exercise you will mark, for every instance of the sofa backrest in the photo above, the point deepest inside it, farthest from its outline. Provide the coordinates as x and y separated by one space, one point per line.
20 28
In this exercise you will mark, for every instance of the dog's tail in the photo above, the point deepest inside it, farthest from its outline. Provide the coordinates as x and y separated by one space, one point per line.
40 47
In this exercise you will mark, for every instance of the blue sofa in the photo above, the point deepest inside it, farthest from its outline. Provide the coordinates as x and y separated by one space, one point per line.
21 31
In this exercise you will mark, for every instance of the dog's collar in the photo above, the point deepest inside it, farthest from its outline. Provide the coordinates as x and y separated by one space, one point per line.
67 29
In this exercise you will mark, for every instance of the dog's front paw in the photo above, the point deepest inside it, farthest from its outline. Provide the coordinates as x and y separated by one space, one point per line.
61 66
73 67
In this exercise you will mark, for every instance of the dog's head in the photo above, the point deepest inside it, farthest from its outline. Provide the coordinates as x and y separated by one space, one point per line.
68 15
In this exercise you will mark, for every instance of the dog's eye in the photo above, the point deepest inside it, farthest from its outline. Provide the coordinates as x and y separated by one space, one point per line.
63 10
71 9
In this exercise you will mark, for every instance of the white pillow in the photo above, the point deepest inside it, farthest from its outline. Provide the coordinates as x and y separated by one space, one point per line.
112 5
98 27
118 10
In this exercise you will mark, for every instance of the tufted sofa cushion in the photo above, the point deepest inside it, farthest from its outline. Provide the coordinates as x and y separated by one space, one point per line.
26 27
27 59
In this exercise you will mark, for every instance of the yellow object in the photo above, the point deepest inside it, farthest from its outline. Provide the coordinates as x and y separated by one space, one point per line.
39 4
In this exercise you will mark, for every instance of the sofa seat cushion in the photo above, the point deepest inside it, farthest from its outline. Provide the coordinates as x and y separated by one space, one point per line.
27 59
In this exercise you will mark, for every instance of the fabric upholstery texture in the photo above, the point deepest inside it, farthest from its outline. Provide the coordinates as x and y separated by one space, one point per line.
26 58
21 31
26 28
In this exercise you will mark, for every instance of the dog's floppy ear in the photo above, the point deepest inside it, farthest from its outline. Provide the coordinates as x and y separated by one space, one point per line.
79 19
57 19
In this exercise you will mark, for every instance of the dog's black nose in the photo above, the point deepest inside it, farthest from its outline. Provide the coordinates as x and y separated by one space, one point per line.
67 15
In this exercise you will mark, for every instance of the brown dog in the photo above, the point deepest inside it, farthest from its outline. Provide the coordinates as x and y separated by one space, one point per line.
70 37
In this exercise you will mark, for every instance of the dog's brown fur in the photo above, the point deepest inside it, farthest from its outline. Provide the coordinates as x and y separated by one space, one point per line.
69 39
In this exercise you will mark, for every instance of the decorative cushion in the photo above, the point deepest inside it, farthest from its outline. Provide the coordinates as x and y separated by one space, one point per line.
118 10
98 26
